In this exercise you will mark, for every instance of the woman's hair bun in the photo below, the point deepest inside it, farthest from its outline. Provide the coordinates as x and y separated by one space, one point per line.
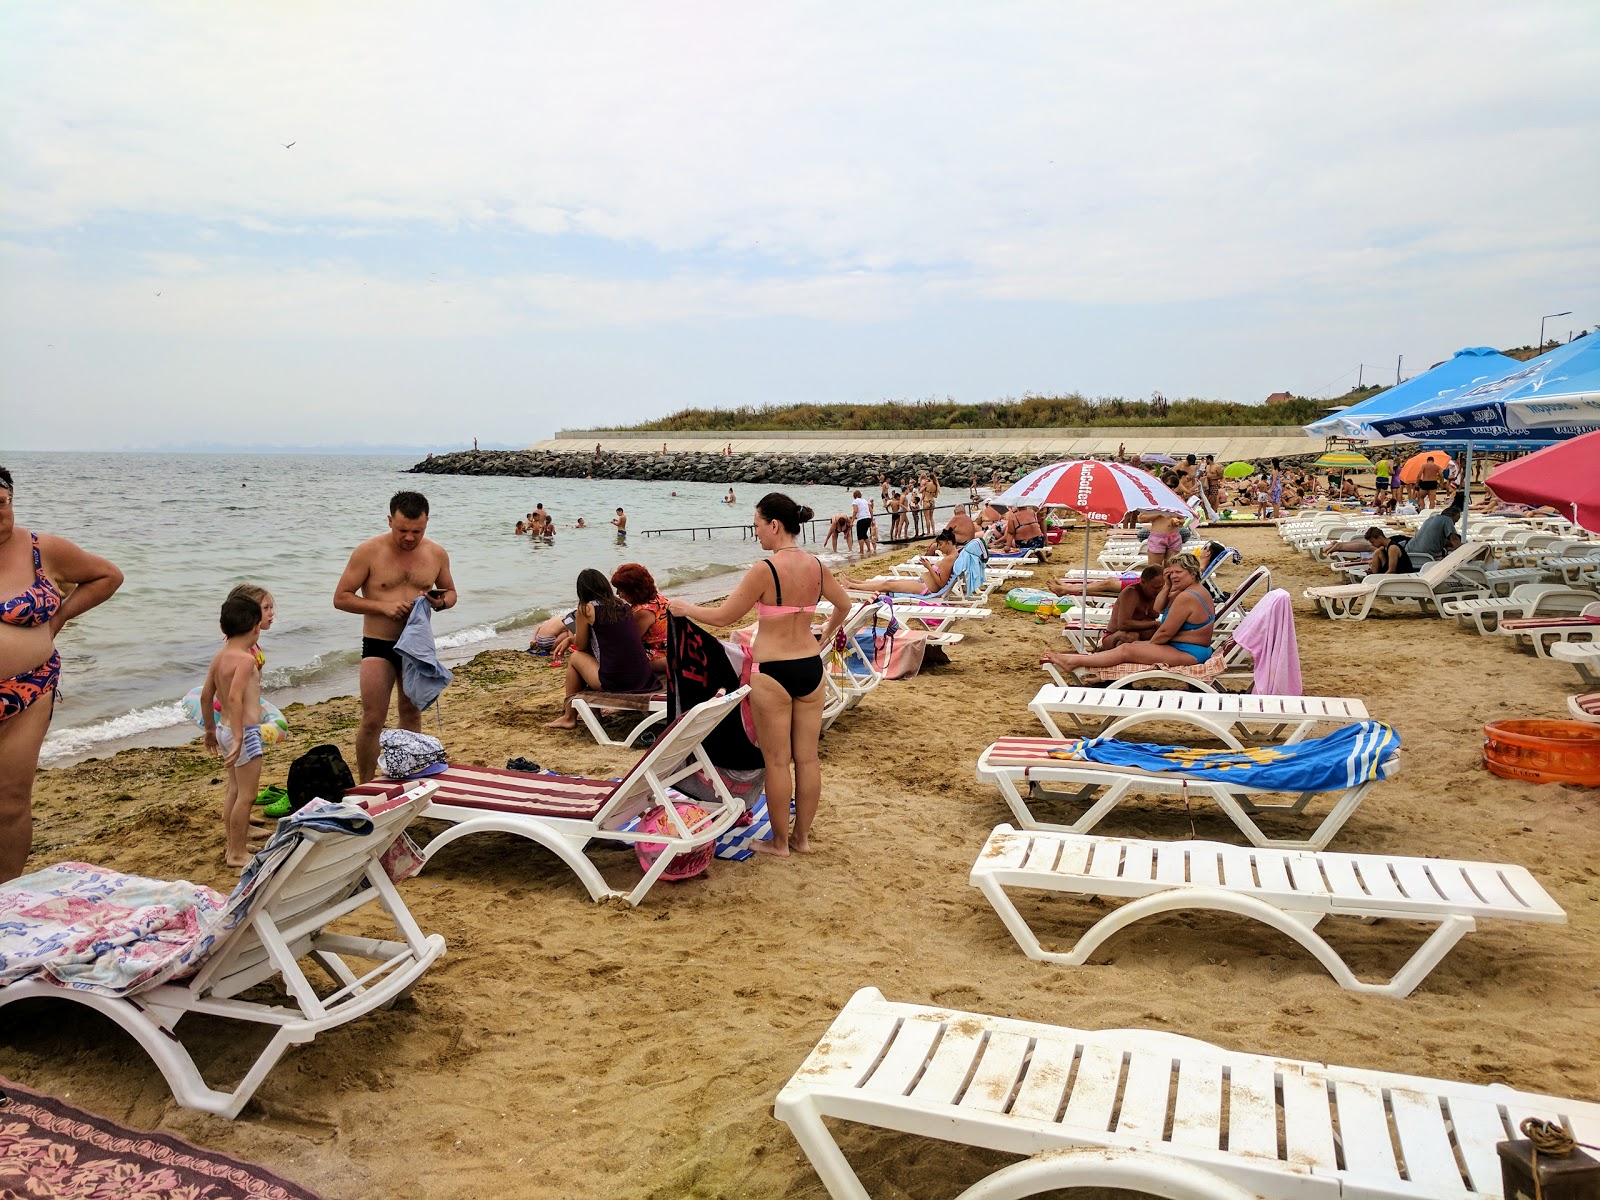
775 506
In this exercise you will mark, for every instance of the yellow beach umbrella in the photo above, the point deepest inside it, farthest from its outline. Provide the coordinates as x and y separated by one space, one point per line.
1343 460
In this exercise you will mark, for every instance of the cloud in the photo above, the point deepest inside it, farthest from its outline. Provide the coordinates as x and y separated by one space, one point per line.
619 170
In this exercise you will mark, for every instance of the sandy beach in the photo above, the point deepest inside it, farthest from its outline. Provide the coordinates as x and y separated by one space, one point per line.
567 1049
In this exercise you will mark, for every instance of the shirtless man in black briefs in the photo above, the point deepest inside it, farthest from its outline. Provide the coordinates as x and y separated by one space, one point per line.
382 580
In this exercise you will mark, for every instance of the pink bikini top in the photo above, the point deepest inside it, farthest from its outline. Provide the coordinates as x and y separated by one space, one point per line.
780 608
35 605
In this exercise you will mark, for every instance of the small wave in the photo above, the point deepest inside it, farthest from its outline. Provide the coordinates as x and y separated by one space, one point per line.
298 674
678 576
65 743
465 637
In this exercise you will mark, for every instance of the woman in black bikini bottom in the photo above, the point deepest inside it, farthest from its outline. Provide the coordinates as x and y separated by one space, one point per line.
786 692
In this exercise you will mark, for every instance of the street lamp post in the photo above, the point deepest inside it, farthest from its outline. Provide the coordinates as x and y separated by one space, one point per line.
1545 318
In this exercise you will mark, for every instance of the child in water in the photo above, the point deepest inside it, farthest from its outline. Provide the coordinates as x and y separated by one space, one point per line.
234 678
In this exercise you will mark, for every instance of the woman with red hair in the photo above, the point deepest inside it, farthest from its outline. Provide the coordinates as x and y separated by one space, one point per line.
637 586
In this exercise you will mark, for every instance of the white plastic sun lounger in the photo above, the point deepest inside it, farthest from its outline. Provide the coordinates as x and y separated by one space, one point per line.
1353 601
848 675
564 813
651 708
1102 712
320 881
1585 707
1231 662
1292 891
1023 769
1484 613
1548 631
1149 1111
1585 656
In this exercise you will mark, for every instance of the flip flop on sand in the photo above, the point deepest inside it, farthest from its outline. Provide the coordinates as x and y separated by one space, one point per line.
271 794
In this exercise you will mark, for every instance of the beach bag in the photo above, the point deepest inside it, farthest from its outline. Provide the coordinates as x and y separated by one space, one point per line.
403 753
901 657
685 865
319 773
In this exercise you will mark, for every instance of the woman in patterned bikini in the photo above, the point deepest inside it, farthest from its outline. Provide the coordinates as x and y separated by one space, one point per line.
33 567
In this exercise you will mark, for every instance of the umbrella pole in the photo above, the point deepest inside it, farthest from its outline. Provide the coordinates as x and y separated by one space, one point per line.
1466 491
1084 602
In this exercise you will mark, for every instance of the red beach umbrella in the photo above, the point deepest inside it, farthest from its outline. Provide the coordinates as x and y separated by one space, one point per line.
1100 491
1564 476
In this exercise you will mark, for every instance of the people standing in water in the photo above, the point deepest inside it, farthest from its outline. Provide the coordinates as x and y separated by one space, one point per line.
621 522
786 691
35 569
862 510
381 582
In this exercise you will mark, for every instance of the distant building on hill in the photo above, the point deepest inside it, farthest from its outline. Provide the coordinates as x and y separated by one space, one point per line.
1280 397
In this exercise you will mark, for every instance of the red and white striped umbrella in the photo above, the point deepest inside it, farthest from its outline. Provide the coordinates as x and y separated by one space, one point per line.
1101 491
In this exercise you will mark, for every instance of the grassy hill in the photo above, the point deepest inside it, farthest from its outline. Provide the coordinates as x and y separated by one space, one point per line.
1030 412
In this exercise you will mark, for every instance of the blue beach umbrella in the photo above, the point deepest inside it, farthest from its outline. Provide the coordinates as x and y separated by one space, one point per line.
1464 369
1550 398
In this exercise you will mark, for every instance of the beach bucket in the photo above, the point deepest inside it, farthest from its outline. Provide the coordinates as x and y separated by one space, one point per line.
686 865
1543 751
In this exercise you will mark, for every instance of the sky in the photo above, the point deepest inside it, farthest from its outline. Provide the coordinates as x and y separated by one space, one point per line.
420 223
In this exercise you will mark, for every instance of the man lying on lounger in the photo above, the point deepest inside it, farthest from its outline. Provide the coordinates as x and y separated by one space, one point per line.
1184 636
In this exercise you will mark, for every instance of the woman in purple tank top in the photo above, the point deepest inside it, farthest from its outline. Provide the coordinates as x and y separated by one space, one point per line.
613 657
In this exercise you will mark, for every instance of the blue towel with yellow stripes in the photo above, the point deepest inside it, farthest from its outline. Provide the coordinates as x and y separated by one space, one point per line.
1342 759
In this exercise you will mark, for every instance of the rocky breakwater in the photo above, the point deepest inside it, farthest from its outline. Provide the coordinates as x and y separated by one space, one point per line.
845 470
953 470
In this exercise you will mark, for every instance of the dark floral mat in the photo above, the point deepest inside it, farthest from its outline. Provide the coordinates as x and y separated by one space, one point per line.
50 1150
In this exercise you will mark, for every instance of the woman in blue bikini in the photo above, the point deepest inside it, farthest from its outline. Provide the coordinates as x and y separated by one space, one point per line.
786 692
1184 638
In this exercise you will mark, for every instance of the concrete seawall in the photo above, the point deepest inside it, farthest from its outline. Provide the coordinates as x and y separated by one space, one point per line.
1231 443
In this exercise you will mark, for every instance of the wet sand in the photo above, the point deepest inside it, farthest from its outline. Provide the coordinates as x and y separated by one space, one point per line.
568 1049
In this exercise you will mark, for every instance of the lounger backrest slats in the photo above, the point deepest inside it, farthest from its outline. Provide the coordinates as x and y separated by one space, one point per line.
668 760
1272 1126
1441 570
1305 880
1248 585
317 874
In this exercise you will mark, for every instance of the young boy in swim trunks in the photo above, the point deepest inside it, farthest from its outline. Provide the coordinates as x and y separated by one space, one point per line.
233 677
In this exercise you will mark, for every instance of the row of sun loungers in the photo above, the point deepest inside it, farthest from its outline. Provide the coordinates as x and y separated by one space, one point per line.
1154 1112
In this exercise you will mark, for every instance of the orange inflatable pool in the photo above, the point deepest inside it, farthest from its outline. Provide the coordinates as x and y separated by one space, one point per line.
1543 751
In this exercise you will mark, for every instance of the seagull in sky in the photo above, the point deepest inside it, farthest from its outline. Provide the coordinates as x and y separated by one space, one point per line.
158 295
286 145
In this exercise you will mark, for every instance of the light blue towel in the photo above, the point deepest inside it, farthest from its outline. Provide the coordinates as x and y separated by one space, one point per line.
969 565
421 674
1341 759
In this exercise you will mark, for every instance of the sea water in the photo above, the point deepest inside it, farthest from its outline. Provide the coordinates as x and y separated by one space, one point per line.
184 528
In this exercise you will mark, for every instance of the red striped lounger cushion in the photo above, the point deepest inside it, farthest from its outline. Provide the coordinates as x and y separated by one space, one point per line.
489 788
1549 622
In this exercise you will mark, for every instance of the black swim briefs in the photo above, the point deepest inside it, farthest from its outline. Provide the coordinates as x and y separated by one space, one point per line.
380 648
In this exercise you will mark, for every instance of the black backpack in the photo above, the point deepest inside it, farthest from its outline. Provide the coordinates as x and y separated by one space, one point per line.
319 773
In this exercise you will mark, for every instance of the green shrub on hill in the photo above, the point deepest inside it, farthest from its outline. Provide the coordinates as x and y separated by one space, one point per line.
1030 412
